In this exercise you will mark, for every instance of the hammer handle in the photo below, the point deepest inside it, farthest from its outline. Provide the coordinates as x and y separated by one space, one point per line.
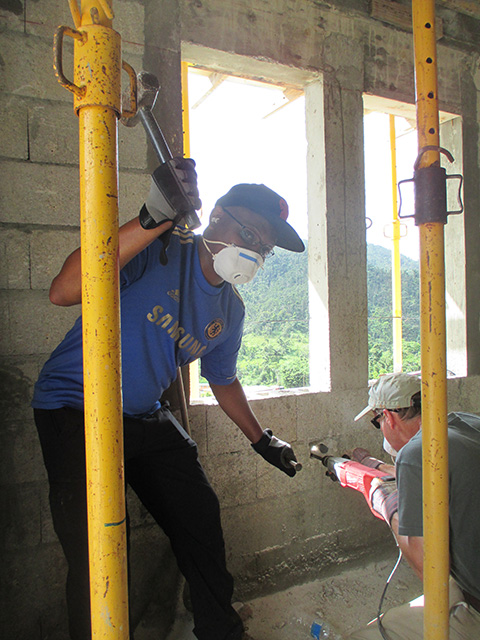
164 154
155 135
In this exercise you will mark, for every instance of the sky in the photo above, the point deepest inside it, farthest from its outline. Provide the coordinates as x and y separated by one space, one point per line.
239 134
233 142
378 181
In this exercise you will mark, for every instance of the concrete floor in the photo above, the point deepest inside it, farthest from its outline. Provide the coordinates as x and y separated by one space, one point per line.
347 601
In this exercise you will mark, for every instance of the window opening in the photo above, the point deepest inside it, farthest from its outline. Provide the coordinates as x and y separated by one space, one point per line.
378 118
243 130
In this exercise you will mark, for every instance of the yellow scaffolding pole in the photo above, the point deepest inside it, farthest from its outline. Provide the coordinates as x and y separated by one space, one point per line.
396 263
194 368
433 336
97 102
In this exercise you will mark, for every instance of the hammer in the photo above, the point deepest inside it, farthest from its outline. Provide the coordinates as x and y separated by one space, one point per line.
147 92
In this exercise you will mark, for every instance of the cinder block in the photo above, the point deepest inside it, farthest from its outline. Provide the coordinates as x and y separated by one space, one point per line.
132 147
232 476
30 323
33 605
14 259
240 527
28 67
53 133
278 414
272 482
223 436
20 522
13 127
133 190
263 524
52 196
43 19
39 194
24 465
13 17
129 22
328 417
17 378
48 251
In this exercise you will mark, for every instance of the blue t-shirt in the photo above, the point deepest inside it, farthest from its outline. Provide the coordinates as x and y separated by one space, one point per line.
170 316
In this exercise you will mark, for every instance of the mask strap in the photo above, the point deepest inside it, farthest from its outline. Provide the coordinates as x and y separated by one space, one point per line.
213 242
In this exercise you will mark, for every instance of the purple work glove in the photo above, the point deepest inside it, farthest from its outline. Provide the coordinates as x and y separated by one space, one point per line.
276 452
384 498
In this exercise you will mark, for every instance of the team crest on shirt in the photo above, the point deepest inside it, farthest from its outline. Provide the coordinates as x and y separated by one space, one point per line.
214 329
175 294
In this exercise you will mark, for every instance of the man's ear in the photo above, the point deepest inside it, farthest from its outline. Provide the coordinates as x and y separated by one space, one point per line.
389 416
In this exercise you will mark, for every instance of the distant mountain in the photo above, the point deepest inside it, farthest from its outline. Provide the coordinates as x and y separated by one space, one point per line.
381 257
275 344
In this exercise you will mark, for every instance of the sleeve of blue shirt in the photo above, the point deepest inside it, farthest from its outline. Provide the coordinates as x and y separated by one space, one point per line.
134 269
220 365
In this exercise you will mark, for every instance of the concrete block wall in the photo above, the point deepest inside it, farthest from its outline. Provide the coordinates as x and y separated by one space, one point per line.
278 531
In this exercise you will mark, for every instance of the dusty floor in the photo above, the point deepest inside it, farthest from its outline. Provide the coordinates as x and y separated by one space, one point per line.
347 601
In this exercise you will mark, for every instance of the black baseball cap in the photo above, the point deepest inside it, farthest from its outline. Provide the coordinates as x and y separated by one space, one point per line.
271 206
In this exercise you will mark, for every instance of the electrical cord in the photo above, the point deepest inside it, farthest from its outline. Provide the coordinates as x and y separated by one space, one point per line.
381 628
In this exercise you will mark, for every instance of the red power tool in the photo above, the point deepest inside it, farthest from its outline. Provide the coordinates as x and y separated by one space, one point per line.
348 472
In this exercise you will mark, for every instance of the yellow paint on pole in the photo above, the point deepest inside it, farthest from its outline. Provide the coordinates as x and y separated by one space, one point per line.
396 262
97 71
194 370
433 343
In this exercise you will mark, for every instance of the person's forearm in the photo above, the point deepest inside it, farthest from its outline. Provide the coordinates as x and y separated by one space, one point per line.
233 401
411 547
66 287
387 468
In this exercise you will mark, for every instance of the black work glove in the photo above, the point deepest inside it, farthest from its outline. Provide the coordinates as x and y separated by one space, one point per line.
276 452
166 200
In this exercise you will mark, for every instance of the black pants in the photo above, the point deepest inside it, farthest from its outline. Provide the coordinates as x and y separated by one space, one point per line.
162 467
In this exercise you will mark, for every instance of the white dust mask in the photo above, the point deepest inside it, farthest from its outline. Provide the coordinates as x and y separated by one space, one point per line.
388 448
233 264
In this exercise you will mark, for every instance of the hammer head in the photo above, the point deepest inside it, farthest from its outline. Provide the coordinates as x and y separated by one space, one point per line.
147 92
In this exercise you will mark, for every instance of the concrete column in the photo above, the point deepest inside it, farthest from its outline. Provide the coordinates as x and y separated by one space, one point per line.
471 163
451 139
337 224
162 57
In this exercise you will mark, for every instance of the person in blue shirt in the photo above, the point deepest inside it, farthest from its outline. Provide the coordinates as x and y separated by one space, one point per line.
171 314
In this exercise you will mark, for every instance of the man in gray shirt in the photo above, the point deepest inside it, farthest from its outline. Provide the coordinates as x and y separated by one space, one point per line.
394 407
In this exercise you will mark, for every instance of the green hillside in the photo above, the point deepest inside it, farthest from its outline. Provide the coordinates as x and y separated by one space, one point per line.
275 344
380 333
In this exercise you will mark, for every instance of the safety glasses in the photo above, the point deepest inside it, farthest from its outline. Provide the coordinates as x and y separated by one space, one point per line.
376 420
252 239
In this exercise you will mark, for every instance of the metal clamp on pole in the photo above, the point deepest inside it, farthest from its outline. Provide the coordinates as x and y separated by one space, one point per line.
430 186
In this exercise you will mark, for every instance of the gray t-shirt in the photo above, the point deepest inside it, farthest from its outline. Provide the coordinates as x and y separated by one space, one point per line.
464 492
